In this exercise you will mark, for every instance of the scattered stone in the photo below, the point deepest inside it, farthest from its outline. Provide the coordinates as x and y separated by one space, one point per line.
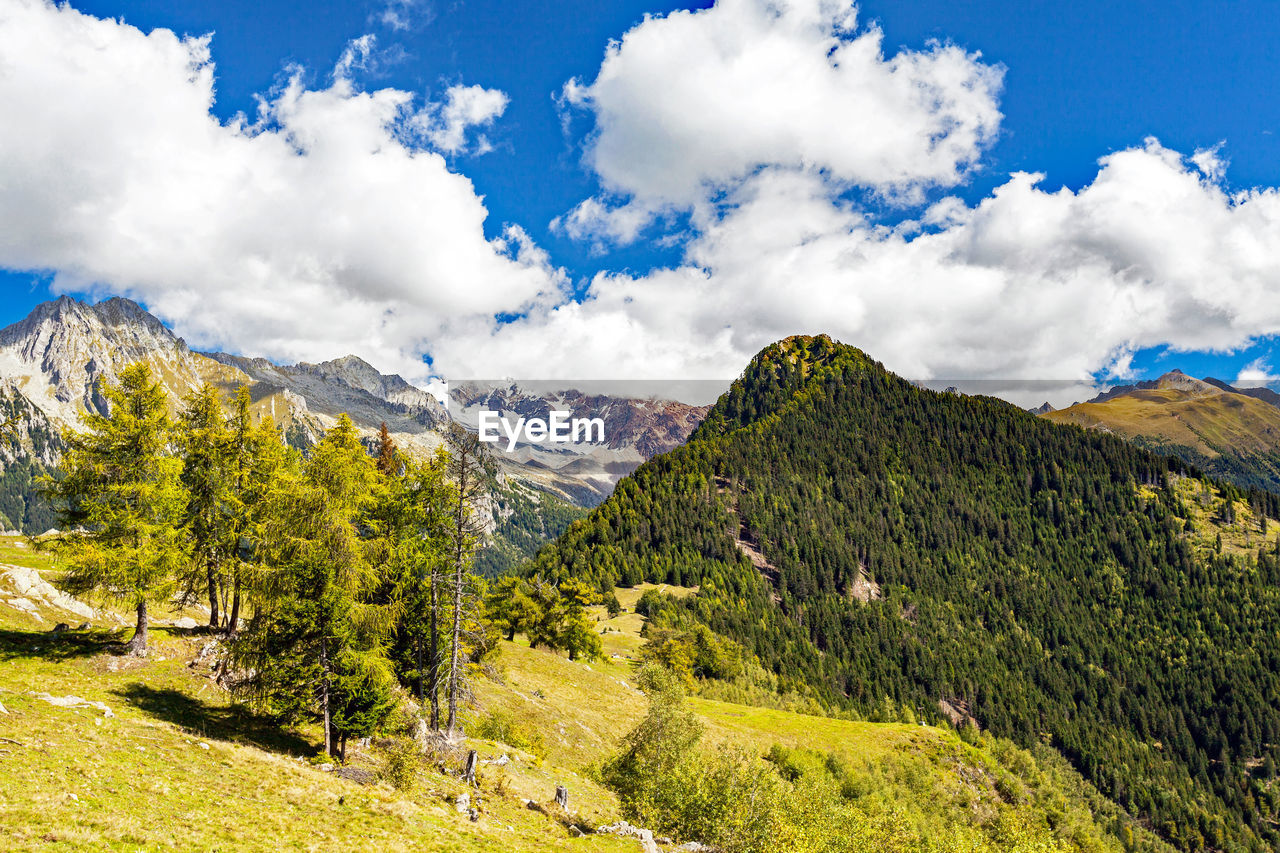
462 804
186 623
662 839
359 775
31 587
61 627
501 761
694 847
622 829
84 626
3 710
26 605
203 745
74 702
326 768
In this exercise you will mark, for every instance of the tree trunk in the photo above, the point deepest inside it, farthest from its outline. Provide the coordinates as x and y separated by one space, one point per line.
233 622
417 653
454 673
342 749
214 622
324 698
433 652
562 797
137 645
469 775
456 633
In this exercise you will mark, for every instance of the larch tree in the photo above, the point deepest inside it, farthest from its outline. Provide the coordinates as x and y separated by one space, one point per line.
420 511
207 474
388 458
315 642
470 469
122 502
258 455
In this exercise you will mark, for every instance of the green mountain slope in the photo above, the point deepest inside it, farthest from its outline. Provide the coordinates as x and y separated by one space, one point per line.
175 765
881 546
1230 434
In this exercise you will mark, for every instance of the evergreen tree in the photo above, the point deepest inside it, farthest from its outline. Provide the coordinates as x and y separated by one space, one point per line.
205 442
388 463
314 615
122 502
470 469
577 634
418 513
508 606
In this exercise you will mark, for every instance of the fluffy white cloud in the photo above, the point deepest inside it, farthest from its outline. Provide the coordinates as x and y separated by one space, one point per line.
1256 374
464 107
327 225
1029 283
689 104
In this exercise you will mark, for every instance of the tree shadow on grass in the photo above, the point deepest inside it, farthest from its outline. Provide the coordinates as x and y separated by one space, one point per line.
199 719
60 646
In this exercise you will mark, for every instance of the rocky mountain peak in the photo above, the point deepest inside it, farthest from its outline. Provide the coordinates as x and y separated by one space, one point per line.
1176 380
61 349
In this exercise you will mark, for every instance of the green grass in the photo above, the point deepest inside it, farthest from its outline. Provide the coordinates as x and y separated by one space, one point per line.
72 778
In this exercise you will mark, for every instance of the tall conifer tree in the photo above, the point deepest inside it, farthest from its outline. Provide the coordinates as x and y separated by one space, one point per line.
122 501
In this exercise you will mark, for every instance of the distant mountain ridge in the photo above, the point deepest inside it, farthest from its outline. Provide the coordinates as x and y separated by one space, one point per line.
52 360
1229 432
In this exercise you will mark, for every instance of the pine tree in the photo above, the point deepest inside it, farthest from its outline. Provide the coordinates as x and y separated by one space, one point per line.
258 456
122 487
388 465
508 606
470 470
577 635
316 544
207 475
418 513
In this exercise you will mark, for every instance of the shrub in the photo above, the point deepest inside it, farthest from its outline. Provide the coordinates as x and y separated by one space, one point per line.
401 764
502 726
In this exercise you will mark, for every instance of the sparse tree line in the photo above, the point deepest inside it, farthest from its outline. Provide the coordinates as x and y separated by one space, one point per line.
332 576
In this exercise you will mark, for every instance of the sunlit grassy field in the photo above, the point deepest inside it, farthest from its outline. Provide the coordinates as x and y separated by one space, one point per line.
176 765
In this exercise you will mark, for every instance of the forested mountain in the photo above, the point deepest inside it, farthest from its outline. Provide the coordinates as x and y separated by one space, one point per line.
1232 433
893 549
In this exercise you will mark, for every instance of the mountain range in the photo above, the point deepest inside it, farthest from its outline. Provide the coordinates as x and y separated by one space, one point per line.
52 361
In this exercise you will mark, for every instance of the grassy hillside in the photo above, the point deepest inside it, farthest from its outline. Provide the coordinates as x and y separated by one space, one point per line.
174 764
1229 435
888 549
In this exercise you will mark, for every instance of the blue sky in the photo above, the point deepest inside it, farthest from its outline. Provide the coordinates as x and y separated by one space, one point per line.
1080 82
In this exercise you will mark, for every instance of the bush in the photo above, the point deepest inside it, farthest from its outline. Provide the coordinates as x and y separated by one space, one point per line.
729 799
401 764
502 726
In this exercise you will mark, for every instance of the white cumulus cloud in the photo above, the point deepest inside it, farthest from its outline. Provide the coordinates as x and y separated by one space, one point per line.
687 105
1256 374
323 225
464 107
1031 283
